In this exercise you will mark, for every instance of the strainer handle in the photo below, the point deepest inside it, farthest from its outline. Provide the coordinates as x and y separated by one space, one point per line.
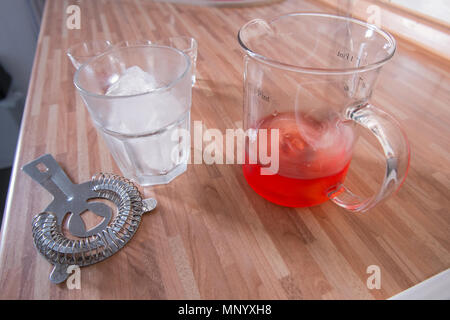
396 151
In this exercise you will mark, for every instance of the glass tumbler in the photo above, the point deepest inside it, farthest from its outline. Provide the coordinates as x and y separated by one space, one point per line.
82 52
141 129
184 43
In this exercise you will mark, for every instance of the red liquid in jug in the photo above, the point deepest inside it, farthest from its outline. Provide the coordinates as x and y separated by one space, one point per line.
313 158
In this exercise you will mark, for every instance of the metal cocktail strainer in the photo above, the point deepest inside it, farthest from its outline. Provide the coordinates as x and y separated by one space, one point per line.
89 246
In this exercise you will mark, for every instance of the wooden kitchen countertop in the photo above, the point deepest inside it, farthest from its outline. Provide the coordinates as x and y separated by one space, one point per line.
211 236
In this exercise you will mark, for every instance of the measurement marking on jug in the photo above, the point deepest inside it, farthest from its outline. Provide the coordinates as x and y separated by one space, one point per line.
262 95
345 55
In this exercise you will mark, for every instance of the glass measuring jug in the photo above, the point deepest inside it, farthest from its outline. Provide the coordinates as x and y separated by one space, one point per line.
310 76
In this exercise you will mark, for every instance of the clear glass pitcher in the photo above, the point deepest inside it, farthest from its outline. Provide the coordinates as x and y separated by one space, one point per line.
311 76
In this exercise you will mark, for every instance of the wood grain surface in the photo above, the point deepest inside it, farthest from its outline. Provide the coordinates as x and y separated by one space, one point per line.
211 236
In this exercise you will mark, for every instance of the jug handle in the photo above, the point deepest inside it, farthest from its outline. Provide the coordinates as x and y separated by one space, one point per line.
396 151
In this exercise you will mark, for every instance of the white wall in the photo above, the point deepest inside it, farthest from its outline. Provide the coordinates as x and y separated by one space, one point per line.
438 9
19 29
